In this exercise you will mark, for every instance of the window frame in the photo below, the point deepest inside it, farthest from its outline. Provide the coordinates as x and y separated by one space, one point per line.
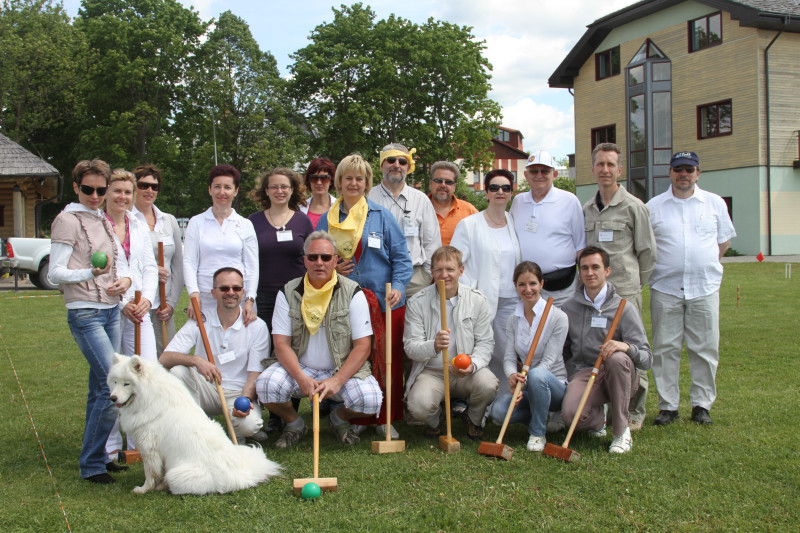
717 104
605 129
690 33
609 53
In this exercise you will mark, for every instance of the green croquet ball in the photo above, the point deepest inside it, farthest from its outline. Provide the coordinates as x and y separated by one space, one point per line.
99 259
310 491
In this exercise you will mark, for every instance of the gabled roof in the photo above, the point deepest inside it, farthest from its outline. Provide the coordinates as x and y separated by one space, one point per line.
16 161
764 14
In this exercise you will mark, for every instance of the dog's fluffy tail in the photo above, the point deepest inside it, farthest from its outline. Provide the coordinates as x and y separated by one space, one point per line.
242 468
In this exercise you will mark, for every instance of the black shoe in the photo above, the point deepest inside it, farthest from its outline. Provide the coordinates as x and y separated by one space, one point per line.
433 433
701 416
665 417
274 424
473 432
102 479
111 466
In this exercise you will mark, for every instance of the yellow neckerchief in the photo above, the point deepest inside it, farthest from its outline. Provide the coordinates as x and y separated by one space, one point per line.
348 232
400 153
315 302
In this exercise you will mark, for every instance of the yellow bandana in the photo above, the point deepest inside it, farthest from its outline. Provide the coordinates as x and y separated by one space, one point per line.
315 302
400 153
348 232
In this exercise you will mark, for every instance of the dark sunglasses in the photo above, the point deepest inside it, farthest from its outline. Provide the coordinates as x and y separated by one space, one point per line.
494 187
227 288
88 191
401 160
143 186
313 257
440 181
319 177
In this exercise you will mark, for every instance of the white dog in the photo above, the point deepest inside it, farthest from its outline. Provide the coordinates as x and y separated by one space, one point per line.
182 449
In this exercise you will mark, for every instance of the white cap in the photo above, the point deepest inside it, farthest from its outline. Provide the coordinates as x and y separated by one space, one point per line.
541 158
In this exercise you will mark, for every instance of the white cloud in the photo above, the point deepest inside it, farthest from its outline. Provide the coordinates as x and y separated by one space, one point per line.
544 127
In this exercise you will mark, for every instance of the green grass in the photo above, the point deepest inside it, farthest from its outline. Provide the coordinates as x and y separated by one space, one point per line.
741 474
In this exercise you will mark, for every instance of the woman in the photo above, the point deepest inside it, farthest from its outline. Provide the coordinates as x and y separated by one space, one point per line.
319 180
218 238
373 252
281 231
92 295
546 382
491 251
135 240
162 228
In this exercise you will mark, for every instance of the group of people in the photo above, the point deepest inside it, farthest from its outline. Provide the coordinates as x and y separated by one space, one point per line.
293 297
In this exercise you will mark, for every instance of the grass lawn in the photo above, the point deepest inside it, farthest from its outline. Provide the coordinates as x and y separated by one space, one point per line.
742 473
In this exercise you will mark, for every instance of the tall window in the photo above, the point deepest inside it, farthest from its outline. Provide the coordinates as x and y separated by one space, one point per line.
2 217
606 64
503 135
715 120
705 31
604 134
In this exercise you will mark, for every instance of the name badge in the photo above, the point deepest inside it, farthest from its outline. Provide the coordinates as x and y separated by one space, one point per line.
605 236
226 357
411 231
374 241
285 235
532 226
599 321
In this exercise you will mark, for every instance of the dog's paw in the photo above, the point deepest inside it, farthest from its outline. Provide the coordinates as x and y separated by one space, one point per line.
139 490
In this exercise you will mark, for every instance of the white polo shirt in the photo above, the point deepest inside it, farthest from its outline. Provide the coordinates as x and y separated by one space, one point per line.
688 233
550 232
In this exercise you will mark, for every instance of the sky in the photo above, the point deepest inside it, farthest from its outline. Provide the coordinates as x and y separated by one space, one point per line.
526 40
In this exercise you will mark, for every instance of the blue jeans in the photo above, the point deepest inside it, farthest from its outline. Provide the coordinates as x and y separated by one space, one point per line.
96 331
542 393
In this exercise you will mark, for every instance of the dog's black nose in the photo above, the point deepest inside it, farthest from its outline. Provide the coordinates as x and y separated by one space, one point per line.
113 399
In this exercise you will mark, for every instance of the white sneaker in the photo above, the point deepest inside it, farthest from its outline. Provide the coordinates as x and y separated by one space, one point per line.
358 429
554 422
536 444
622 444
380 429
598 433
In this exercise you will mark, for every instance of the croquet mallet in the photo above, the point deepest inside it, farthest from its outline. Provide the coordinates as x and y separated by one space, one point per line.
325 483
497 448
446 442
563 452
388 445
207 345
162 295
132 456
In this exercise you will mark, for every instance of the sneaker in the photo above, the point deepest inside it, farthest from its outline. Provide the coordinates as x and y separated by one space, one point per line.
622 444
358 429
274 424
344 433
433 432
554 422
259 436
701 416
474 432
458 406
380 429
536 444
599 432
665 417
290 437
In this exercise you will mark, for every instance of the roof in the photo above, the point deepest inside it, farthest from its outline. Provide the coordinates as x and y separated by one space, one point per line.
764 14
16 161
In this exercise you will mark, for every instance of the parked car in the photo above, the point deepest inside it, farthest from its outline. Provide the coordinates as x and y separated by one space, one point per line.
28 255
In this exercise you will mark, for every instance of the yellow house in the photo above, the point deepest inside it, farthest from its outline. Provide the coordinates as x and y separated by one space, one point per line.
717 77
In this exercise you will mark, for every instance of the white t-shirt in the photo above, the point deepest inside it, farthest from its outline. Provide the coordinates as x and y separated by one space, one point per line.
508 258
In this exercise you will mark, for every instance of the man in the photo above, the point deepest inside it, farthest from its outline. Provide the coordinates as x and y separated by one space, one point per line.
469 332
412 210
620 223
693 230
237 351
323 336
550 228
591 311
449 209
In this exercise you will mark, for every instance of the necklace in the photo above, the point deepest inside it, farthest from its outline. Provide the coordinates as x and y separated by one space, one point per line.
496 223
271 220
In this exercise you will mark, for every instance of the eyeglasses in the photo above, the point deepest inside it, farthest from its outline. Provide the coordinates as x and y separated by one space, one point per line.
543 171
313 257
494 187
685 168
88 191
279 187
446 182
319 177
402 160
143 186
228 288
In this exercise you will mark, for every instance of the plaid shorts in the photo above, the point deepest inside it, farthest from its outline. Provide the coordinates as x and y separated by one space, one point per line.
276 385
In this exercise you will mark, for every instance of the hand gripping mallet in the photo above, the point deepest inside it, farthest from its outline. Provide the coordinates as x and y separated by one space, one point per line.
207 345
563 452
162 294
446 442
498 449
132 456
388 445
325 483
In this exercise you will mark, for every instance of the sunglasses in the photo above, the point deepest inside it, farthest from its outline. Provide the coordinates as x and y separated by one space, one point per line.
143 186
543 171
88 191
228 288
319 177
446 182
401 160
494 187
313 257
685 168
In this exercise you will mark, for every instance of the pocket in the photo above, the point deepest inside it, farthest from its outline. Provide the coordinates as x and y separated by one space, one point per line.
706 226
82 315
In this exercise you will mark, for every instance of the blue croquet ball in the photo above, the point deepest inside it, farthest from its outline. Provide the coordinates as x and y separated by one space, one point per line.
310 491
242 404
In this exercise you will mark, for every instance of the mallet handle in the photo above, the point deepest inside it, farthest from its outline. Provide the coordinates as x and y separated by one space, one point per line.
388 378
210 356
315 418
162 293
137 327
445 358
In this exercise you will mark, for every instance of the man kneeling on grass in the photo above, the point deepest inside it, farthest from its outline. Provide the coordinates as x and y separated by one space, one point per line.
322 334
590 312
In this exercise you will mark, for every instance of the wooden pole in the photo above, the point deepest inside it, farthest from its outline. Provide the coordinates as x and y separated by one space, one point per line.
446 443
162 294
137 327
388 446
324 483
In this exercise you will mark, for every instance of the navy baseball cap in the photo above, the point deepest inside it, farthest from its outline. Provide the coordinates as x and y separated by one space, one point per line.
684 158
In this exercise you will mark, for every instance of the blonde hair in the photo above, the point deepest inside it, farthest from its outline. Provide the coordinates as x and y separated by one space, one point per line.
120 174
353 163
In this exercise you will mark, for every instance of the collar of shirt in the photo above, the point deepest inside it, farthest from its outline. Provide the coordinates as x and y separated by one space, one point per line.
213 321
698 194
548 198
600 299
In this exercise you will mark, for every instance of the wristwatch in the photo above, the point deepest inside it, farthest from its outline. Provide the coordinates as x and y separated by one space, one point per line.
250 299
